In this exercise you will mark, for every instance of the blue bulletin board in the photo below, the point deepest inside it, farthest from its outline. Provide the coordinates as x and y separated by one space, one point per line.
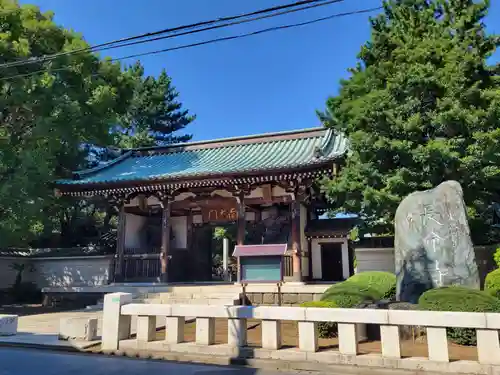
261 269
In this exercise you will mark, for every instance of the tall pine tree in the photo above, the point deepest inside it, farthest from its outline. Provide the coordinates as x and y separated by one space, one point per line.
422 106
154 116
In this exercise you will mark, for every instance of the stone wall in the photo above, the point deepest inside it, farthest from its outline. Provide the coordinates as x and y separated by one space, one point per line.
287 299
58 271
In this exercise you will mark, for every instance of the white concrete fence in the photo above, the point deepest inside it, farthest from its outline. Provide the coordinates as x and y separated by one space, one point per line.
118 309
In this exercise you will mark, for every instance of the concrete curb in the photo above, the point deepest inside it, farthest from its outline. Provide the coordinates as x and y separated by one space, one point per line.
310 367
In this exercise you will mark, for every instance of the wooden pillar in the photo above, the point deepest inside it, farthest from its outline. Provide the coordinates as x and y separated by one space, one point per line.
165 238
120 243
240 237
297 253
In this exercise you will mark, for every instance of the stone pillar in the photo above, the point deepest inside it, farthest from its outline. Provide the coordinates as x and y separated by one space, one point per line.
237 332
205 331
308 336
346 272
225 258
296 248
120 244
437 344
146 328
175 329
165 238
348 339
391 344
115 327
271 334
488 347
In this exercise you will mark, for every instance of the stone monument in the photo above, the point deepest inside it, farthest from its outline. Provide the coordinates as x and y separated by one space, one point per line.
433 247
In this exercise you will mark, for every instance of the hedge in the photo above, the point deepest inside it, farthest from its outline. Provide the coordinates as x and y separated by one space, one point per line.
371 286
492 283
456 298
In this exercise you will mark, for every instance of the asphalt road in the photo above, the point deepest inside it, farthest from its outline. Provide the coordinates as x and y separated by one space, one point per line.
29 362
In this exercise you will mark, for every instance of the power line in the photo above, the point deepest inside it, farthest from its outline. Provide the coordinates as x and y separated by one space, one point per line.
240 36
164 31
329 2
217 40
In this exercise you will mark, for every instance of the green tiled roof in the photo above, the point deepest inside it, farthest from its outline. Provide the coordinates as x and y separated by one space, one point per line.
261 153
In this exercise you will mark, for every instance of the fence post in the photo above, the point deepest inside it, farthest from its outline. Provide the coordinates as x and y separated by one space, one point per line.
115 327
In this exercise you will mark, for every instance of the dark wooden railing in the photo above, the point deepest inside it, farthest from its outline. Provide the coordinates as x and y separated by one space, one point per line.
142 250
288 266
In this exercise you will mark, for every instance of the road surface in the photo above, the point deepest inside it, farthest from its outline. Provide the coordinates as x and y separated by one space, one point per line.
39 362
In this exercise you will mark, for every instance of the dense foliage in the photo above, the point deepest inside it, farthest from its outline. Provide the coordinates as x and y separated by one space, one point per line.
61 115
492 283
459 299
496 257
421 107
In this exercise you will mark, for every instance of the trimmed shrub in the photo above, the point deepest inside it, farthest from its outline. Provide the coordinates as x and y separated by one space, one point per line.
456 298
492 283
383 282
325 329
364 286
347 295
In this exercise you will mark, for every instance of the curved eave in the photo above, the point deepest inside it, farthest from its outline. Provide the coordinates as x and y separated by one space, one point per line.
311 170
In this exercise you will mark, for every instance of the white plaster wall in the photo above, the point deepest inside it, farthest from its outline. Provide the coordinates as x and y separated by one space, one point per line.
255 193
316 256
133 227
62 272
71 271
377 259
278 191
249 216
197 219
179 228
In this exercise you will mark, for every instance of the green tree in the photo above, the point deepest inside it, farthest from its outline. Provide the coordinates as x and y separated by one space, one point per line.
46 117
154 115
422 106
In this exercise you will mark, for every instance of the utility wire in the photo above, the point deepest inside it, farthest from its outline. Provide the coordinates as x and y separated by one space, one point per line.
217 40
224 25
164 31
240 36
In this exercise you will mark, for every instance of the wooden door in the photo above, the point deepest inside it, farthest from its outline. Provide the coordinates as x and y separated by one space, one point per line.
331 262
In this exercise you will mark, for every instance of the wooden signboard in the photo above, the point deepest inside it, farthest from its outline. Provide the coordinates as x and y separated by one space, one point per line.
260 263
222 212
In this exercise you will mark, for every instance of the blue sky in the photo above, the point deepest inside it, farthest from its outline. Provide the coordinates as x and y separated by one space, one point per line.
269 82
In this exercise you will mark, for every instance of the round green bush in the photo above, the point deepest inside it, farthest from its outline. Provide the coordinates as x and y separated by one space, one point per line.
456 298
347 295
370 286
492 283
326 330
383 282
